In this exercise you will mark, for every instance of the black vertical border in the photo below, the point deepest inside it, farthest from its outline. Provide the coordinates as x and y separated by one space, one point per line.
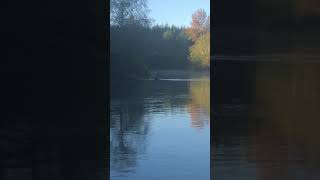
102 75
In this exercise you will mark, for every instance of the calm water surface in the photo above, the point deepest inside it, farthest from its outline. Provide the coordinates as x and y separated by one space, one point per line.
274 134
160 130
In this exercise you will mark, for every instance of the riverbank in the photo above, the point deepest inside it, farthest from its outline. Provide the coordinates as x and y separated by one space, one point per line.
161 74
179 74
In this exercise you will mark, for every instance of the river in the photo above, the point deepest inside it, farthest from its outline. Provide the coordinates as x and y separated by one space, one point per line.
160 129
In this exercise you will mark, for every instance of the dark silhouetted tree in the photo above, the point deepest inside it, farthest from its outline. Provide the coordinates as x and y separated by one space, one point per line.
123 12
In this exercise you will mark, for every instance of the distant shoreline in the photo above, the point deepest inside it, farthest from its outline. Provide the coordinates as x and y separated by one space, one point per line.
179 74
170 75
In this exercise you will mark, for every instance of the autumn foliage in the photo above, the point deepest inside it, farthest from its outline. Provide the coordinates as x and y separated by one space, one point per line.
199 33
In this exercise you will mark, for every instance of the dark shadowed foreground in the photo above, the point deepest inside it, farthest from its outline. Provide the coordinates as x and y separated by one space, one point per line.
266 118
53 90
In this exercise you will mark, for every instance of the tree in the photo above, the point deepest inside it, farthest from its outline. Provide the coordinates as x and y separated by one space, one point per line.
199 25
200 51
123 12
207 24
199 33
168 34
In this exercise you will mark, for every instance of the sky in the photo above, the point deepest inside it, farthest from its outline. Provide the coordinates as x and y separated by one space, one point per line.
176 12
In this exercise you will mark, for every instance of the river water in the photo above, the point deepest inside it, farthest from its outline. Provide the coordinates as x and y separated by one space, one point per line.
266 123
160 129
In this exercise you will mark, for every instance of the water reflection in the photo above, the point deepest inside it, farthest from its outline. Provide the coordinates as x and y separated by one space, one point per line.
293 118
128 135
277 137
151 136
200 101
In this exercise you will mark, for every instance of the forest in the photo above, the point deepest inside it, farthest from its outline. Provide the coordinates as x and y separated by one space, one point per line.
137 45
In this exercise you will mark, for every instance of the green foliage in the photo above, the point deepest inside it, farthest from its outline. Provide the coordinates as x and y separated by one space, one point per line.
135 49
168 34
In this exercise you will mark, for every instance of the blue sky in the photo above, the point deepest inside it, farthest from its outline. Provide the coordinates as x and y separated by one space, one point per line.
176 12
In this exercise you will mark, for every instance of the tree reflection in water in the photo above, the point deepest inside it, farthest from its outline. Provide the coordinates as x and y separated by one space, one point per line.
199 102
154 104
128 136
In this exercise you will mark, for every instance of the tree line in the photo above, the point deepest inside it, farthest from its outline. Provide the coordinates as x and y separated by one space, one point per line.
137 46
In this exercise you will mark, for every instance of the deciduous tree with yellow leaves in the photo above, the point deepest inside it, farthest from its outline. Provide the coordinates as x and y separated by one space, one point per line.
199 33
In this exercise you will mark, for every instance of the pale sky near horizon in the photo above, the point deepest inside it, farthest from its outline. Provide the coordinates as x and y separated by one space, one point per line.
176 12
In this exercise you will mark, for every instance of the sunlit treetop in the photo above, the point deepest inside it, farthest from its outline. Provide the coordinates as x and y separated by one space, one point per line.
200 25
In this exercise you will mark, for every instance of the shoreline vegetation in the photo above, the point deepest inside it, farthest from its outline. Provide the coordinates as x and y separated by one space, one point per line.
138 47
156 75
